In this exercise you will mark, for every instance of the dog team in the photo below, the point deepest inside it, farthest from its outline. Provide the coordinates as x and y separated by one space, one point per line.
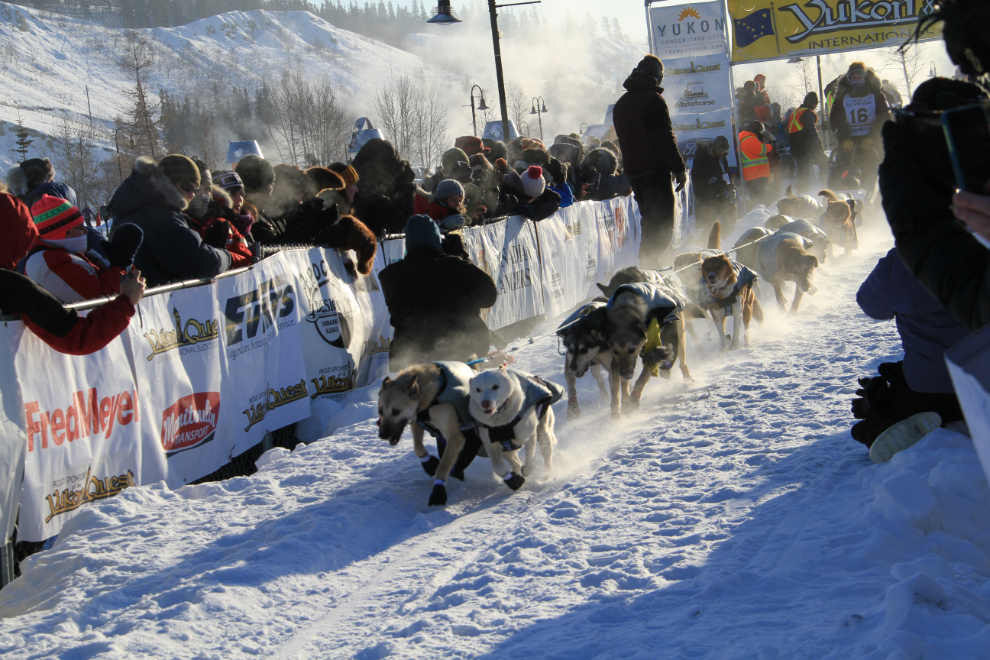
643 316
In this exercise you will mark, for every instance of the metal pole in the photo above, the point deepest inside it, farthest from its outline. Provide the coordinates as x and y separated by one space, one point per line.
821 100
120 171
474 121
90 106
539 115
493 12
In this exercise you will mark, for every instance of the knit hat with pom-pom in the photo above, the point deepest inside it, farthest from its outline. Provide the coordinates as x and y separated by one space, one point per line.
532 181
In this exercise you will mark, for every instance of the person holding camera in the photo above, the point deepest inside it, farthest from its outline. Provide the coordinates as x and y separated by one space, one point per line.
714 196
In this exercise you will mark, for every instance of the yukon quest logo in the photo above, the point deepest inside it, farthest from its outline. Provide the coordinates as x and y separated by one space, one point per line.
190 422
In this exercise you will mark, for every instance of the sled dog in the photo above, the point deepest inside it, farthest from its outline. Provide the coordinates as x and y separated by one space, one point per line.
731 287
512 410
583 336
838 223
782 258
432 397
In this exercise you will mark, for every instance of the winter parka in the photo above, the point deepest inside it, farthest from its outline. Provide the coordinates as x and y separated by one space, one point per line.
646 135
926 329
72 276
435 302
859 112
171 250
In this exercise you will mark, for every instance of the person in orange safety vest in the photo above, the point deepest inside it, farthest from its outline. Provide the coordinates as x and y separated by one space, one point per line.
755 149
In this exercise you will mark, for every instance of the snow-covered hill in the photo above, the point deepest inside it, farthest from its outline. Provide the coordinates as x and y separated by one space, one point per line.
733 518
48 60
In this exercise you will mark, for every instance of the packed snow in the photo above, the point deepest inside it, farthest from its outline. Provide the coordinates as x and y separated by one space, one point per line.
732 517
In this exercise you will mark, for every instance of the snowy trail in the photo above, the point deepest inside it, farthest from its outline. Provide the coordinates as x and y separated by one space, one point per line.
731 518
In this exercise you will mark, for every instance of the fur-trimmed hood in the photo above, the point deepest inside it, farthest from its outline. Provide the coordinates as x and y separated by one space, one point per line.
146 186
17 181
872 85
222 197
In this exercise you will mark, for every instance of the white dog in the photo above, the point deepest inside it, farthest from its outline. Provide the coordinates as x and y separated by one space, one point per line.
512 411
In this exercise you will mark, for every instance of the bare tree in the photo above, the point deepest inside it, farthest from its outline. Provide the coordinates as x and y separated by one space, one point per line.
136 62
431 127
518 104
907 62
75 156
394 105
808 76
306 122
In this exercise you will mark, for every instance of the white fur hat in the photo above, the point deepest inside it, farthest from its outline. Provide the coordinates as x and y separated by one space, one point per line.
532 181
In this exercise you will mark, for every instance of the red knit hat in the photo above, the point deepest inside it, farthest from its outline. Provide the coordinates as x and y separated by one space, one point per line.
54 217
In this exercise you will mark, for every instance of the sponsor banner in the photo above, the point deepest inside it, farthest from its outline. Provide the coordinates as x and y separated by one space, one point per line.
82 417
969 367
264 377
770 30
617 221
175 350
689 130
507 251
342 333
13 443
569 246
688 30
694 85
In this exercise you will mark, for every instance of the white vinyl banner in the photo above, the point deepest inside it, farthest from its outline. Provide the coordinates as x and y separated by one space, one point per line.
12 441
175 347
704 126
688 30
84 443
344 330
969 367
264 378
694 85
508 252
569 245
619 237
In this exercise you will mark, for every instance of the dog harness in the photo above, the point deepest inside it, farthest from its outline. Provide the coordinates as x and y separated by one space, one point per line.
453 387
578 314
661 301
766 252
808 230
537 392
744 277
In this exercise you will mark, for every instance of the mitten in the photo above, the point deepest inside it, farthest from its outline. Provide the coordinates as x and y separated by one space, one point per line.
126 242
217 234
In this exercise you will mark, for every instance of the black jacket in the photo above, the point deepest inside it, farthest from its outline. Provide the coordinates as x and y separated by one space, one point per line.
171 251
938 250
707 166
435 301
646 135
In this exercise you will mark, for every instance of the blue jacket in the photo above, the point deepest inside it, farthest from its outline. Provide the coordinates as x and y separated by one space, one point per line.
565 192
926 329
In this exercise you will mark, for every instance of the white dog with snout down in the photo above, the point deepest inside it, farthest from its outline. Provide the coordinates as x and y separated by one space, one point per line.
513 410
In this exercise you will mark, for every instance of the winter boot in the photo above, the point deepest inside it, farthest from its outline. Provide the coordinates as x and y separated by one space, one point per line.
902 435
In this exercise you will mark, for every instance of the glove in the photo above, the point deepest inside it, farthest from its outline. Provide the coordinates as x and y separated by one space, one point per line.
867 143
453 245
126 241
217 234
847 145
908 200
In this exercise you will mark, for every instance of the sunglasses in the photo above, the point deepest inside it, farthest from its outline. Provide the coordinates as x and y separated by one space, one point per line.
188 187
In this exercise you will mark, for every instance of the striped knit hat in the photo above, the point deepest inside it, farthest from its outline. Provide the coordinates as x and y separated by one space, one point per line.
54 217
345 172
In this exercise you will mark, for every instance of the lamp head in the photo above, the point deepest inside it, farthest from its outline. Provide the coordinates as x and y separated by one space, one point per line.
482 105
445 14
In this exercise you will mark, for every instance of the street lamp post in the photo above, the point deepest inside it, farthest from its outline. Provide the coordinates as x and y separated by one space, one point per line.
481 106
538 111
445 16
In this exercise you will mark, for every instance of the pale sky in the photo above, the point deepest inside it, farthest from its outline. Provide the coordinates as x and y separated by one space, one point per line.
631 13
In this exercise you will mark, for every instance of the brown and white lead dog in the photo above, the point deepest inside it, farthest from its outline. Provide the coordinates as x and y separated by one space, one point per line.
721 277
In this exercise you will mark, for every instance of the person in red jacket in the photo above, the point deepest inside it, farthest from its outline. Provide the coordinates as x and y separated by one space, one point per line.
755 150
61 260
65 331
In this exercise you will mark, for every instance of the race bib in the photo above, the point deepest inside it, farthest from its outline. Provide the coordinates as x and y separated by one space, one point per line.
860 113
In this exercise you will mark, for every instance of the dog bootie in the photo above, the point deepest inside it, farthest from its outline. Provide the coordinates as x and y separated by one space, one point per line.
514 481
573 410
430 464
902 435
